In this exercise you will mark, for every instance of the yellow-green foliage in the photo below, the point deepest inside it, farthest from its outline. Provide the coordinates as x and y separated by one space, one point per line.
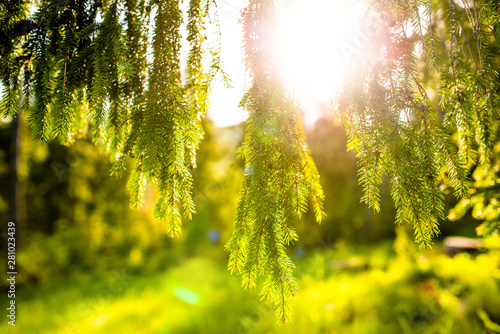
382 293
280 176
81 65
483 199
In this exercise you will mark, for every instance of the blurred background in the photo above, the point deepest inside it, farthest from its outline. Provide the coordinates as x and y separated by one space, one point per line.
87 263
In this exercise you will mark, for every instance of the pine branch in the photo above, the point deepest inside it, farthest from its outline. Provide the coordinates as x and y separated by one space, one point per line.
9 103
280 175
137 186
62 112
39 118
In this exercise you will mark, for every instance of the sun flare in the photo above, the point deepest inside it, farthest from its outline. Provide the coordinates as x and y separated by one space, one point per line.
317 43
315 40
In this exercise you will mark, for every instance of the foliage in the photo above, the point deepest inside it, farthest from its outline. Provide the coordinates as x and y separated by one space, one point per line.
84 64
393 124
216 182
114 69
483 199
76 217
280 174
346 220
431 294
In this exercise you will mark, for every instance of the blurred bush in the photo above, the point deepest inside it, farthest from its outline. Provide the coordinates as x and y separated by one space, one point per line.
396 289
75 217
347 219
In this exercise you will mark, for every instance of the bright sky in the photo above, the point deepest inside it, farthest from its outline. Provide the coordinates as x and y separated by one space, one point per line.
318 42
224 110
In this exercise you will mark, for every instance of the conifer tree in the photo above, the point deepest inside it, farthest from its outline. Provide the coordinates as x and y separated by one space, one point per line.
113 70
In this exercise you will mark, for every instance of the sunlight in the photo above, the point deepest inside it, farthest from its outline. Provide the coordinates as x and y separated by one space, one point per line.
317 43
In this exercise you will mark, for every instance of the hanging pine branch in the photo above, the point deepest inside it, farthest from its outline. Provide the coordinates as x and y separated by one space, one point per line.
137 17
280 176
163 137
86 64
13 25
392 123
196 77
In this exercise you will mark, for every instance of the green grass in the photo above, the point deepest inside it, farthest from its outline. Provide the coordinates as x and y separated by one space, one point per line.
177 301
379 293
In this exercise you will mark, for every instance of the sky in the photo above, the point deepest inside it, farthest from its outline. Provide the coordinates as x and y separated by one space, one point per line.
224 110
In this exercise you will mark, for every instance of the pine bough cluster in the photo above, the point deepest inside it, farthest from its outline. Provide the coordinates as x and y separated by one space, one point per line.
280 176
393 123
113 69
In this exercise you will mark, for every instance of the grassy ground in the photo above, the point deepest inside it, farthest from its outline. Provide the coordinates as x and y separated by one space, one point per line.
343 291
